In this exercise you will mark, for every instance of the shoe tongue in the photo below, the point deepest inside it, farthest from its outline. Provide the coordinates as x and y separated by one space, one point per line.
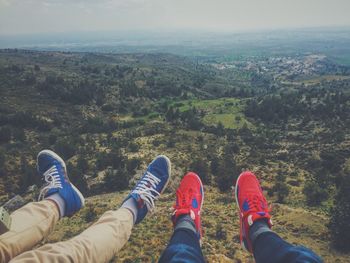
51 192
139 201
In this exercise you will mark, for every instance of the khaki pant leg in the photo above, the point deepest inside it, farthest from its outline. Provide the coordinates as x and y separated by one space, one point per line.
98 243
30 224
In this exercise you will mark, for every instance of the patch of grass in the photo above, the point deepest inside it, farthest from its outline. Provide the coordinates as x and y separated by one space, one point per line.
228 104
228 111
220 224
227 119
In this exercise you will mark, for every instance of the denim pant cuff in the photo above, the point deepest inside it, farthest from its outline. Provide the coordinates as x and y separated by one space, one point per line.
257 229
185 222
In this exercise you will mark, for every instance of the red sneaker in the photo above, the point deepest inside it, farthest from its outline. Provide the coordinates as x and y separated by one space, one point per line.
189 200
251 204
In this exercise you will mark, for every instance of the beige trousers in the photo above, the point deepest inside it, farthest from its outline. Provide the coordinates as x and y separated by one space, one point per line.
33 222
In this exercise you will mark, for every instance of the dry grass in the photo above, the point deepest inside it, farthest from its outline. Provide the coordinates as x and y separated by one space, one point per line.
149 238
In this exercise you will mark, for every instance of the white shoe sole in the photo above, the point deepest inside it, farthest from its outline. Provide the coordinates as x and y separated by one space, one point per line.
236 197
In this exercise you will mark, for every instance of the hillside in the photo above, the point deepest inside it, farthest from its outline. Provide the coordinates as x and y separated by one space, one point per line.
220 224
285 118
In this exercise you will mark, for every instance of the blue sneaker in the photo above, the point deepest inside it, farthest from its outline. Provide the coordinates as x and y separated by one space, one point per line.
53 169
150 186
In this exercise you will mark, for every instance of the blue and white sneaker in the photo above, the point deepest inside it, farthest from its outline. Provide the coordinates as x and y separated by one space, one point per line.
53 169
151 186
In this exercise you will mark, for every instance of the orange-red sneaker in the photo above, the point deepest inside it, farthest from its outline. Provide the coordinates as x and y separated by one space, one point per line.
252 206
189 200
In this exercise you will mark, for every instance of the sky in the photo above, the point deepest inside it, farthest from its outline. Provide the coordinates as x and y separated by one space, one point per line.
51 16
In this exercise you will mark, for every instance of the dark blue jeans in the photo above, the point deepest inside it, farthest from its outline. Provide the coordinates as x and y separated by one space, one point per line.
183 247
268 248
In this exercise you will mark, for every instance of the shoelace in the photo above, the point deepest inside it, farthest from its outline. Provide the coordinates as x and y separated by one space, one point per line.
146 189
257 204
184 205
184 200
52 179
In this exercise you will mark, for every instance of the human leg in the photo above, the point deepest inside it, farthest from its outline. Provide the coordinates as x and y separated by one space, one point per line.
30 224
101 241
269 247
34 221
184 245
255 226
98 243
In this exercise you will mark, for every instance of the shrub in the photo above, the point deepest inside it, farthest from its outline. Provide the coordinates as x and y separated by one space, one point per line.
77 178
90 214
200 167
116 180
132 164
28 174
2 158
314 193
214 166
82 164
133 147
5 134
281 188
2 162
220 232
114 159
339 224
171 142
227 173
52 139
65 147
18 134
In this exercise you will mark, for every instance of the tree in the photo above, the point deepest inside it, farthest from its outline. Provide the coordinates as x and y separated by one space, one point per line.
214 165
332 161
2 162
82 164
220 129
314 193
30 79
132 164
227 172
5 134
133 147
116 180
340 217
281 188
170 114
220 232
65 147
18 134
52 138
200 167
77 178
90 214
118 160
28 174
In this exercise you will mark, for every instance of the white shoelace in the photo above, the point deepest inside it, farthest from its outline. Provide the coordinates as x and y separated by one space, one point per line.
146 190
52 179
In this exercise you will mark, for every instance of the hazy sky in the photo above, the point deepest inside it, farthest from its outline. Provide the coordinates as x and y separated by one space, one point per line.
37 16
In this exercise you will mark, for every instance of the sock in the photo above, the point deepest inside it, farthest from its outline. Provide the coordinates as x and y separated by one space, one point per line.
185 221
59 202
131 205
259 227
